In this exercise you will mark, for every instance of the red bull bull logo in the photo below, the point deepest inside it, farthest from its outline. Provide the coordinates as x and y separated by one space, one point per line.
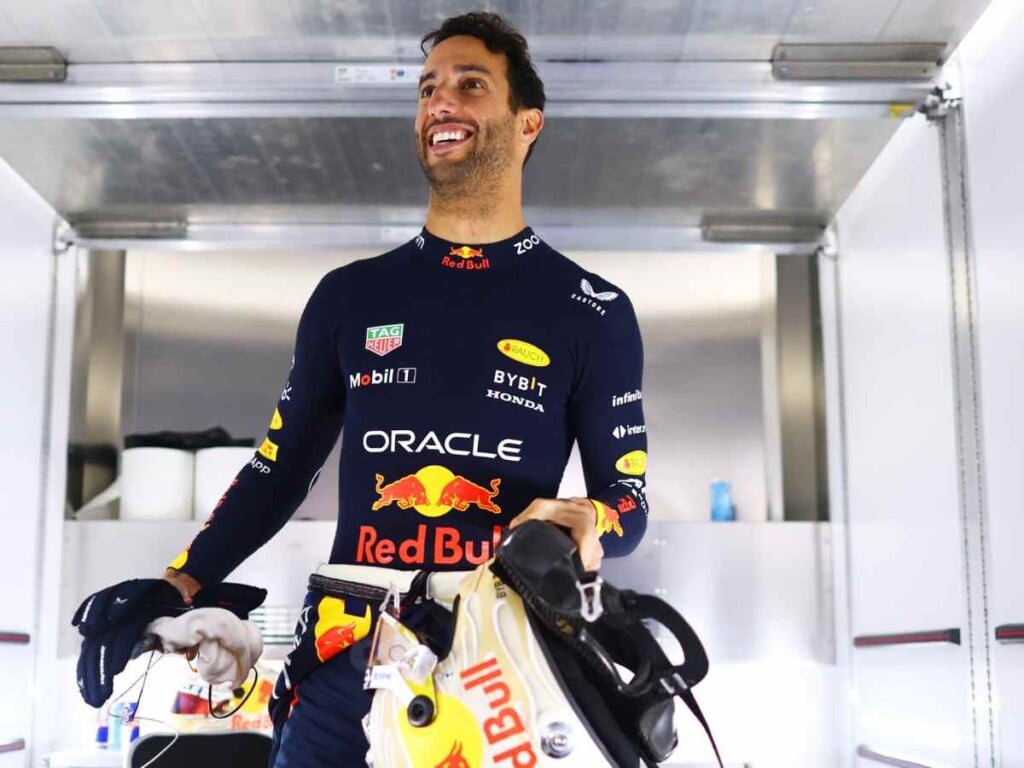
465 252
406 492
454 758
336 629
464 257
434 491
607 520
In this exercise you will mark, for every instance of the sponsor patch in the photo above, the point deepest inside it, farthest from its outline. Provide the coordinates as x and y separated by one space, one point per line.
527 244
592 298
524 352
522 402
466 258
636 487
336 629
259 466
629 430
627 397
454 444
445 545
633 463
385 376
434 491
625 504
521 386
179 562
384 339
276 422
607 519
268 450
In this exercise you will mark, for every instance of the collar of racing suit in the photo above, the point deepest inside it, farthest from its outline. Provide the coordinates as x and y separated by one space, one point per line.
475 257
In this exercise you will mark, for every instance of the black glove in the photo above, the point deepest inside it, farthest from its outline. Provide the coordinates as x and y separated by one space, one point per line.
113 621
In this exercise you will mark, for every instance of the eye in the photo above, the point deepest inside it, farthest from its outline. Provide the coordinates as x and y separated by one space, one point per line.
425 91
473 83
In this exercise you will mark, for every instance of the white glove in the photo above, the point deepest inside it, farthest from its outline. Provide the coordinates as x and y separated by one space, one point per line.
227 647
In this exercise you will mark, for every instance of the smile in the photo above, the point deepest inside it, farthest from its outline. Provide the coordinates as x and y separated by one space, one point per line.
446 138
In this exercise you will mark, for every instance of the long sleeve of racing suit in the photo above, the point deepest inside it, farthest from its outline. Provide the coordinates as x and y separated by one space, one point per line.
304 427
607 417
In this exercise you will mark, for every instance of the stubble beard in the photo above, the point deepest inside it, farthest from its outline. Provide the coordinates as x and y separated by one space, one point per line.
471 185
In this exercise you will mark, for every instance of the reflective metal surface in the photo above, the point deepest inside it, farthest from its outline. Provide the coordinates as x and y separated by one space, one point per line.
360 170
297 30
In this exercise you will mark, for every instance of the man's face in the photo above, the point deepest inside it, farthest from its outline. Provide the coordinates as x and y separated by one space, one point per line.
465 130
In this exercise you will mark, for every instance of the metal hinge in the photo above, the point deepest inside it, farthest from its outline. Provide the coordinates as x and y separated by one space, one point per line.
63 238
829 244
940 101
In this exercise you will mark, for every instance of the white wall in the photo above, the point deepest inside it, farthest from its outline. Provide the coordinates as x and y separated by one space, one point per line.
992 72
905 543
26 280
905 564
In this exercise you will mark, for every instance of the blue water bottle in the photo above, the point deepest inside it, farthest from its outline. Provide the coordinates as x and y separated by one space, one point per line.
722 508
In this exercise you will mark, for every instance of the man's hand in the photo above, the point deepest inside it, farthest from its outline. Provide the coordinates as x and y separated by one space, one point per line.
184 583
576 514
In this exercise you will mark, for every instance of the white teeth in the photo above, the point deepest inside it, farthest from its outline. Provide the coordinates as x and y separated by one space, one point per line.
440 136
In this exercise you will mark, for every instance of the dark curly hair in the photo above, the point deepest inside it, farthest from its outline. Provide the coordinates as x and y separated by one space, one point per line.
525 86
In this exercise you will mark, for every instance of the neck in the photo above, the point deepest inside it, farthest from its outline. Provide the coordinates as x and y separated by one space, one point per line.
483 217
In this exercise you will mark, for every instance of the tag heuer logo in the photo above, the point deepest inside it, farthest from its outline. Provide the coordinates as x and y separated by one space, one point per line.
382 339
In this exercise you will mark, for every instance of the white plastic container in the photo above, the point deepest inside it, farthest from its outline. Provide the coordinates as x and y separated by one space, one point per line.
156 484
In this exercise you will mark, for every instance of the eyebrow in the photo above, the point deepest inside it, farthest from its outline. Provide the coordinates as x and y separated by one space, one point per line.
460 68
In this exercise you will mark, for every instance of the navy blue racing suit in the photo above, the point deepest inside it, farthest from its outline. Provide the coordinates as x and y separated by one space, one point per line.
462 375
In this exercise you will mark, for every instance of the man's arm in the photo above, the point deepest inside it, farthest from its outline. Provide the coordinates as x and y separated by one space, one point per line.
606 412
270 487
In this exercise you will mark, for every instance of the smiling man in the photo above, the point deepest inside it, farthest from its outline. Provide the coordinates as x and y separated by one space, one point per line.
464 365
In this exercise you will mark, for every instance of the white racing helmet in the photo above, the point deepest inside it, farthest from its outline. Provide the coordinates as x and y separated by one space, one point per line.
533 676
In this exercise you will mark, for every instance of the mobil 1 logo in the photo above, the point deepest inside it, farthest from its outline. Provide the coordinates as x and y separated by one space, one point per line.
376 377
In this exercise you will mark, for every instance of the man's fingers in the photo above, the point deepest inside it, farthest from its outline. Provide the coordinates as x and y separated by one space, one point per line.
185 584
578 515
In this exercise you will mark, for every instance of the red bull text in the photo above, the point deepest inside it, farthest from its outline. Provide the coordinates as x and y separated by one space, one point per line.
446 547
459 258
504 729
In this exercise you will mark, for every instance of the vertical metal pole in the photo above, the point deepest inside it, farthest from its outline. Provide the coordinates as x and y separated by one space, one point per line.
836 453
963 283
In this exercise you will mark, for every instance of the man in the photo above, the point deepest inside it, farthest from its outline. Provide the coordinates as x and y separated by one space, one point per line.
463 365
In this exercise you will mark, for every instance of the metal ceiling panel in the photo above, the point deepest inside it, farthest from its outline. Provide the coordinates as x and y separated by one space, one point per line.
617 30
150 31
934 19
251 29
677 170
840 21
299 30
68 25
736 29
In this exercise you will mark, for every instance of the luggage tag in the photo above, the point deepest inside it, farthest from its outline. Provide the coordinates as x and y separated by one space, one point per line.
399 662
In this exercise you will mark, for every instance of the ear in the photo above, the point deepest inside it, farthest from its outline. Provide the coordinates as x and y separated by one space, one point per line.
531 124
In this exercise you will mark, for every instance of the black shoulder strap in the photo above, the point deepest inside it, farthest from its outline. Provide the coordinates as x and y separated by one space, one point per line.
679 679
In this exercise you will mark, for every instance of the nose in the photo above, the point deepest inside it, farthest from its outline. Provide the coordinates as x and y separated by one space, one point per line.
440 101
